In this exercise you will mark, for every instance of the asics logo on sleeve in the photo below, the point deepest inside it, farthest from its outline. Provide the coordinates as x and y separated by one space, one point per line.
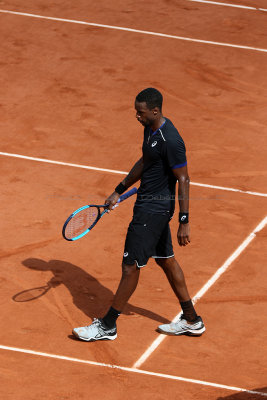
125 254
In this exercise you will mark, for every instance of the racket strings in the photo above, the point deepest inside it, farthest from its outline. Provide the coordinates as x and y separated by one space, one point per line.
81 222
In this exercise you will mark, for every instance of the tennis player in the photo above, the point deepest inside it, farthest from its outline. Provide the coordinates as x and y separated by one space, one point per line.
162 164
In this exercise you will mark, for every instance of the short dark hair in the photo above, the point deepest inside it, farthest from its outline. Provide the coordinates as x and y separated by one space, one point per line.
152 97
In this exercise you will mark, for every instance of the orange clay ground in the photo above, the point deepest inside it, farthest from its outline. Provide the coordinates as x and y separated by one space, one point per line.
67 94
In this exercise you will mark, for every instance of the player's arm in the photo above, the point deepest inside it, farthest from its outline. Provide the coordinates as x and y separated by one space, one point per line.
183 234
133 176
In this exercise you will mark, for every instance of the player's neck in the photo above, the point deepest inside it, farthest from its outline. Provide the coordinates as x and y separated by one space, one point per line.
157 123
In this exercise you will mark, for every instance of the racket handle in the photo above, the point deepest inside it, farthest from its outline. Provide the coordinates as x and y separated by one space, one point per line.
127 194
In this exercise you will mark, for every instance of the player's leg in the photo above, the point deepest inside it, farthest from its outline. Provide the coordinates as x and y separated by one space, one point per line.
127 285
175 276
189 322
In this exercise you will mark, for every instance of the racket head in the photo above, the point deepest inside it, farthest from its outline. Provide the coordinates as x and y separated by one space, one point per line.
80 222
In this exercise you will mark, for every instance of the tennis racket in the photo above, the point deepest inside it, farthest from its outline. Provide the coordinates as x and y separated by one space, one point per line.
82 221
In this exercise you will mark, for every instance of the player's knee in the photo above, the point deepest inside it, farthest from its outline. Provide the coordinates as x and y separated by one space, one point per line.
128 270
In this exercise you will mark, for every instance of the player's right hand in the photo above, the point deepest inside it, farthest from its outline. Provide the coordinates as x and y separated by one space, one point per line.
112 200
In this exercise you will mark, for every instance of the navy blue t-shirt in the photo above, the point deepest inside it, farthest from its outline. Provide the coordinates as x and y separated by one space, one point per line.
163 151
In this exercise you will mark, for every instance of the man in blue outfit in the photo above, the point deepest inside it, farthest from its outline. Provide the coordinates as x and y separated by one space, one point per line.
162 164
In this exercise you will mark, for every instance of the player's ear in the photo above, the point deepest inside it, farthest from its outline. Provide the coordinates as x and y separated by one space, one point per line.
155 110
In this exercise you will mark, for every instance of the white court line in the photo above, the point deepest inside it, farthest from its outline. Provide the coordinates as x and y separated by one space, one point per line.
134 370
204 289
120 28
113 171
44 160
228 189
217 3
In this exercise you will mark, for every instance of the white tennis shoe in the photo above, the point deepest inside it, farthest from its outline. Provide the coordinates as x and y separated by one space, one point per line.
96 331
182 327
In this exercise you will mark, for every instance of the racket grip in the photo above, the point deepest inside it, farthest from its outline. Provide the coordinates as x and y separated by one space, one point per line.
127 194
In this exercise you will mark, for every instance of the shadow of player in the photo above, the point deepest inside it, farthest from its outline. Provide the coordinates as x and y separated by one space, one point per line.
88 294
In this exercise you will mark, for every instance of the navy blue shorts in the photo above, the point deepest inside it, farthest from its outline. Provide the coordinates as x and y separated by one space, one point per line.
148 236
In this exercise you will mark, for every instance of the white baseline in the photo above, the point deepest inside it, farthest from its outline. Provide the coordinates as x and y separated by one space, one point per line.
217 3
120 28
204 289
114 171
133 370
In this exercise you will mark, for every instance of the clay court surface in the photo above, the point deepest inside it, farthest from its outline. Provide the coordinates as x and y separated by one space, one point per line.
67 94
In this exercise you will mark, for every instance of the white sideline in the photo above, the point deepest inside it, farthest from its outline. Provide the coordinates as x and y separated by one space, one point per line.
204 289
217 3
113 171
120 28
137 371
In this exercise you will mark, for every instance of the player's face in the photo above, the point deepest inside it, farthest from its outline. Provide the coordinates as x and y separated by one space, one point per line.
144 115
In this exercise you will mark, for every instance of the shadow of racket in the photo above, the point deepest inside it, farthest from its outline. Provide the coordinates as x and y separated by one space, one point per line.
34 293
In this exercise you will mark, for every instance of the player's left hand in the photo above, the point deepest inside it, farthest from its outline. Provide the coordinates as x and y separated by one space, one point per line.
183 234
